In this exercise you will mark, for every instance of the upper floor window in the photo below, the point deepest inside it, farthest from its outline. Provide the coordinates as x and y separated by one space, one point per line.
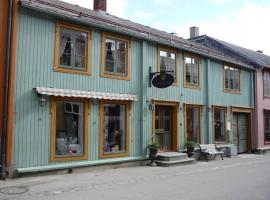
191 71
72 49
167 61
266 83
115 57
231 78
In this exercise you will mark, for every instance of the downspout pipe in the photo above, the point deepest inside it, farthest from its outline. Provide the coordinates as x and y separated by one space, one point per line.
4 173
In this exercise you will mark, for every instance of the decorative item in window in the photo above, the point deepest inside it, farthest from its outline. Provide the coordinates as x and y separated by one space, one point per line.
115 57
69 128
114 129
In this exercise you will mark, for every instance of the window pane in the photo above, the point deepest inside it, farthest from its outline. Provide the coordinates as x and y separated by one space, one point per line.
80 50
267 125
167 61
193 124
73 49
266 78
116 56
69 128
192 70
232 78
219 125
114 128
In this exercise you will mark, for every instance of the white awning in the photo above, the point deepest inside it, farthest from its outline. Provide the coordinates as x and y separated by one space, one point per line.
85 94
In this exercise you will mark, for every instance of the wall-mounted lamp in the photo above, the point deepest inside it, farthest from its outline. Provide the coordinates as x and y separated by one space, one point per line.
209 109
94 101
150 105
42 100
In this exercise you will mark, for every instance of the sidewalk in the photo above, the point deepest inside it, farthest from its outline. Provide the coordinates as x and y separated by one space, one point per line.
245 176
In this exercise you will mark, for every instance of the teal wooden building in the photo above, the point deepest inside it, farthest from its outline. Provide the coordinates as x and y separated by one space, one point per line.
82 97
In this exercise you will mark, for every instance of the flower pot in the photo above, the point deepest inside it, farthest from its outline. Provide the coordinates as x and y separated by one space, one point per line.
190 151
153 151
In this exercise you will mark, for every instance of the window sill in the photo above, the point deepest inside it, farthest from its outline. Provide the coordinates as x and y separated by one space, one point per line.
197 87
71 71
113 76
232 91
114 155
68 158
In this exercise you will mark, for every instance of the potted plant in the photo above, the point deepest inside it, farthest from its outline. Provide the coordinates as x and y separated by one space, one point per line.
190 147
153 149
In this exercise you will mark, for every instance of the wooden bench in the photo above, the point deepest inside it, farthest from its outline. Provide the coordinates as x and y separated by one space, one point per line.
210 149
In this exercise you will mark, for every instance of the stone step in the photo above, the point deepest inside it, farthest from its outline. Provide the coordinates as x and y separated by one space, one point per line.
171 156
175 162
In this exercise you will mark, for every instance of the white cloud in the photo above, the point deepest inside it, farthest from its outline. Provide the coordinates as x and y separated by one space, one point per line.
166 2
140 15
249 27
220 1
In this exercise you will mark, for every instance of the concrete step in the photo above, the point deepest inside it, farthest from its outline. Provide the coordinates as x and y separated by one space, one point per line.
175 162
171 156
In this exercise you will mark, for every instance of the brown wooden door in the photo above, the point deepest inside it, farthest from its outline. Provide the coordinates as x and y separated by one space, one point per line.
163 127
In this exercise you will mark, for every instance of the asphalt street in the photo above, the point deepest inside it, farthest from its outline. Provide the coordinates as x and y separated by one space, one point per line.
244 177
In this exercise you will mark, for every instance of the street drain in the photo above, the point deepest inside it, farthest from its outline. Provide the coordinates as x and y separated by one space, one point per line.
13 190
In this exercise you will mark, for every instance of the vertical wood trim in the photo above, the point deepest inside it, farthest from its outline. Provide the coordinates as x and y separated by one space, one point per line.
10 117
3 39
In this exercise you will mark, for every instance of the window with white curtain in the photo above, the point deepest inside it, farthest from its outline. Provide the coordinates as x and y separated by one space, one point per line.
73 49
116 56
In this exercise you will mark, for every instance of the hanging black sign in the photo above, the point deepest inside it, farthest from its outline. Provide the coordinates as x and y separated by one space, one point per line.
163 80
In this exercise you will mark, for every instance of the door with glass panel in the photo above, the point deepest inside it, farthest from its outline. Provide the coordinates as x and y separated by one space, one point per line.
163 127
193 123
240 132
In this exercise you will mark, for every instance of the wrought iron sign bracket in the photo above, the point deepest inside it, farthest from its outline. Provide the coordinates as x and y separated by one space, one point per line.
152 74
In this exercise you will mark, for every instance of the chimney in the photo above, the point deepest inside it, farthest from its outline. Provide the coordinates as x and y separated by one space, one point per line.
100 5
194 31
259 51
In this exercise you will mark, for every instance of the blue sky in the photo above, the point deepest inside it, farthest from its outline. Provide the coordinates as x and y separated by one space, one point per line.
241 22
